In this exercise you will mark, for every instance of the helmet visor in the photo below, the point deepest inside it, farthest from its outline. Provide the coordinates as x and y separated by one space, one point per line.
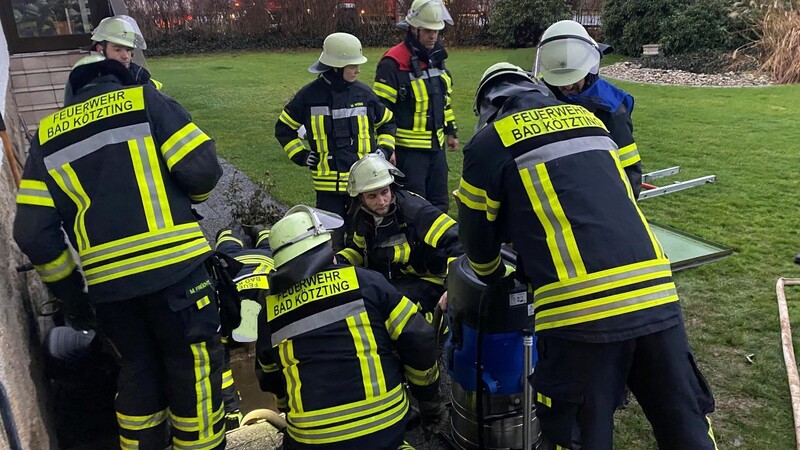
421 16
565 60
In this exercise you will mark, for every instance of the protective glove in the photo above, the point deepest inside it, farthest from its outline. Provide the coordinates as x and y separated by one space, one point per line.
79 314
386 152
312 159
433 418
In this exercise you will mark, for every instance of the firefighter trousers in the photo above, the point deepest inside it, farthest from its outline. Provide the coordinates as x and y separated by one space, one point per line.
425 174
230 395
577 386
171 366
390 438
337 203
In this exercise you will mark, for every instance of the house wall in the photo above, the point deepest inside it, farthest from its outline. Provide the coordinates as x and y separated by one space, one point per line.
21 361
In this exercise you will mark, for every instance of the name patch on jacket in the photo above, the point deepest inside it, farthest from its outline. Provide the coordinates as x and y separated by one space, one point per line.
94 109
319 286
537 122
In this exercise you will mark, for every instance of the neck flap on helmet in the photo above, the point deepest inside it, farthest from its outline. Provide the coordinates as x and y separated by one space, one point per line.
494 96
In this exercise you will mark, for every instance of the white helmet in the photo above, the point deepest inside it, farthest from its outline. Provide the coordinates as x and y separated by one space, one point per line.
370 173
121 30
339 50
566 54
427 14
300 230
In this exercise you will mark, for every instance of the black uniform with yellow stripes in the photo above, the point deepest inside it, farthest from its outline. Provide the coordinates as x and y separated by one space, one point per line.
418 88
252 283
343 121
118 170
547 176
411 245
613 106
334 348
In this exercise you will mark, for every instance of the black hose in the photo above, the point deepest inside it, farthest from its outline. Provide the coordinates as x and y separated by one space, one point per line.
482 307
9 424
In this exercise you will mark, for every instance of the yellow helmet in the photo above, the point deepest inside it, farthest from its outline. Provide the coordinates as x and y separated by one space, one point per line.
427 14
566 54
121 30
300 230
370 173
339 50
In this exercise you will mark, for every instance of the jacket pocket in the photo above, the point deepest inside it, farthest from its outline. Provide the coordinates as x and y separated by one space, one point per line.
194 301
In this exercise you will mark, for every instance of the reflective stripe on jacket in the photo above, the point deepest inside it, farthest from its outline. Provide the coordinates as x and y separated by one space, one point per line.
341 127
421 101
547 176
119 169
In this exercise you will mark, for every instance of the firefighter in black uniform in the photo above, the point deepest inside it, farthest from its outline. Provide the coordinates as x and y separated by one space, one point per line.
399 234
335 343
116 38
411 79
546 176
568 60
119 170
344 120
251 283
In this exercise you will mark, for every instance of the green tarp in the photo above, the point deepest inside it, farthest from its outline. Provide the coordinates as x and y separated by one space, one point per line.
686 250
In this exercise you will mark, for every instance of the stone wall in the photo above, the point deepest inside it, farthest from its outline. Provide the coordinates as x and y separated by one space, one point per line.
21 361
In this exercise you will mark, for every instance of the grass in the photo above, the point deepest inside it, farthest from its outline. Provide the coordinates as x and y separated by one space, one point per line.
747 137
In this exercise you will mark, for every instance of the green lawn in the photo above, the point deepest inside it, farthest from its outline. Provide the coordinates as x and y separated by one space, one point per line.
747 137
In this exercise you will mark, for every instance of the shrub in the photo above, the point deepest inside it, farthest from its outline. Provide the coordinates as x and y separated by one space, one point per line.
629 24
701 25
520 23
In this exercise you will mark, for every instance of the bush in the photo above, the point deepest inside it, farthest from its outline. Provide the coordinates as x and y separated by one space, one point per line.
701 25
629 24
520 23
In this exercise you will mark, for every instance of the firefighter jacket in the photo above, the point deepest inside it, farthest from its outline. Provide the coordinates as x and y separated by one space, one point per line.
118 169
139 73
335 347
414 239
419 93
547 177
256 263
613 107
343 122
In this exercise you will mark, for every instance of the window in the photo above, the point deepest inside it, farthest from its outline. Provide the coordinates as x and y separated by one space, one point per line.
42 25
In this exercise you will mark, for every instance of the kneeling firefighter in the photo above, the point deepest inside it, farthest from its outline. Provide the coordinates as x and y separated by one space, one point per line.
336 342
399 234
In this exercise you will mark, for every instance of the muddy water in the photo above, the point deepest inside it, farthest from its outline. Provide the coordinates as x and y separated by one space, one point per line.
244 376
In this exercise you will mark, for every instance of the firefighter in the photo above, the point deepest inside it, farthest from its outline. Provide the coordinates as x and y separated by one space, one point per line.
411 79
344 120
546 176
335 342
399 234
568 60
119 169
251 283
116 38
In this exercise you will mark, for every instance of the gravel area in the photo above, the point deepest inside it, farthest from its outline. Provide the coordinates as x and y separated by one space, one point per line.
630 71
